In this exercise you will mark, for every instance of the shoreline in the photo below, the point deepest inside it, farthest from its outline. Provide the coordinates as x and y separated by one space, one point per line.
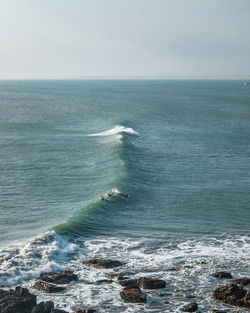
144 291
188 275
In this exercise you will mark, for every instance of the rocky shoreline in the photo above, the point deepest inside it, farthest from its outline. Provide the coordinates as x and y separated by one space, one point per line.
133 290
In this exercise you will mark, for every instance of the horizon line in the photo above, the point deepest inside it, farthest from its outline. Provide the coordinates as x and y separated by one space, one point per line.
135 77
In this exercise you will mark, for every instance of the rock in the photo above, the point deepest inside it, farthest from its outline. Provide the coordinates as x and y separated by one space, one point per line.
18 300
222 275
244 281
104 281
85 311
133 295
103 263
43 307
191 307
48 306
218 311
233 294
47 287
151 283
129 283
62 277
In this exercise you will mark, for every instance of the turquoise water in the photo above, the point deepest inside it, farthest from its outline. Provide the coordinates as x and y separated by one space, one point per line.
187 172
180 149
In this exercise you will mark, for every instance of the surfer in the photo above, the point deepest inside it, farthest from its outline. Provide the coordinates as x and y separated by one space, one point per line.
125 195
102 198
110 195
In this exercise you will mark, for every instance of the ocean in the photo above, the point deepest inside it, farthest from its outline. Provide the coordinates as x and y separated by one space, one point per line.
180 149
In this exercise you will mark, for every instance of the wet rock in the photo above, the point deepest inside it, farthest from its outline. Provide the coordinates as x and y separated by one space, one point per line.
104 281
218 311
85 311
18 300
47 287
222 275
129 283
151 283
62 277
48 306
103 263
233 294
43 307
191 307
244 281
133 295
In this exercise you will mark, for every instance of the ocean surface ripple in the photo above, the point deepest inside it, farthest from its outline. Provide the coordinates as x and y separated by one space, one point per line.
153 173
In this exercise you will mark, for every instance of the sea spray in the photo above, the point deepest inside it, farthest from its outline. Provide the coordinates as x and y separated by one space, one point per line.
115 130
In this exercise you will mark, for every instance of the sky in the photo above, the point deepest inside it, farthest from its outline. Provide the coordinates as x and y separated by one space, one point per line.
78 38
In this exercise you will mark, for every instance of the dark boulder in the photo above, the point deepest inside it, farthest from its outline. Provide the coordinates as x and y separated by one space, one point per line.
151 283
62 277
104 281
243 281
191 307
233 294
129 283
222 275
133 295
218 311
18 300
103 263
43 307
47 287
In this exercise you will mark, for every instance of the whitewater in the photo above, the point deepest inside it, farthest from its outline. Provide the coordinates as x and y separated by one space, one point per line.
179 149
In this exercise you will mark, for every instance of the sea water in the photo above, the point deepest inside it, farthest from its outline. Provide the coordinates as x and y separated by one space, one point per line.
180 149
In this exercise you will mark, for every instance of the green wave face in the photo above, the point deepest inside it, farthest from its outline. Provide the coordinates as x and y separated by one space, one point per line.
106 214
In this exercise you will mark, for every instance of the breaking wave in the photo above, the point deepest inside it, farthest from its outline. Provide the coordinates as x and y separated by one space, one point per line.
115 130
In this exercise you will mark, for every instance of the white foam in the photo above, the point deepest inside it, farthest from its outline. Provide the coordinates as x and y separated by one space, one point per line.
115 130
26 261
185 265
115 190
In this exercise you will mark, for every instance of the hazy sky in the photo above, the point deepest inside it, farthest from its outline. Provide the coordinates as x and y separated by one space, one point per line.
74 38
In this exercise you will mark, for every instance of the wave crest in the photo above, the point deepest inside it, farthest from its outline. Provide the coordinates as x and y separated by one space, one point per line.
115 130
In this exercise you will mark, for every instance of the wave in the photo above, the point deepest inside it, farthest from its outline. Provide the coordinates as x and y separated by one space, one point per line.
114 131
96 218
26 260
